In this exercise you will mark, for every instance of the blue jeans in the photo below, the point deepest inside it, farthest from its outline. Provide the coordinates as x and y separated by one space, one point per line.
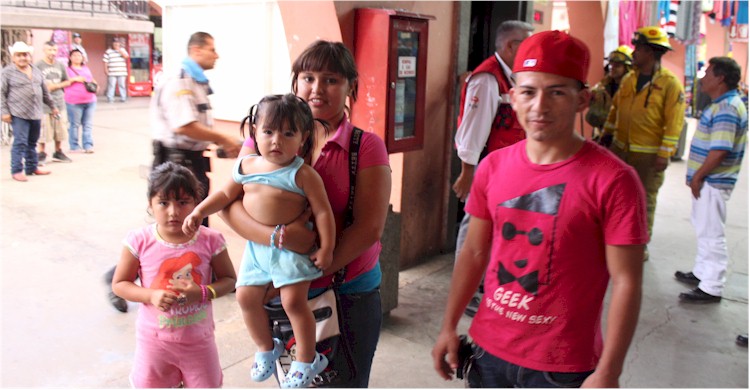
490 371
120 80
361 316
81 115
25 136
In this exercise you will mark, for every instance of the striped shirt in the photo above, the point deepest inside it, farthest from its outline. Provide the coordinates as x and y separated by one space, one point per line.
23 97
723 126
116 64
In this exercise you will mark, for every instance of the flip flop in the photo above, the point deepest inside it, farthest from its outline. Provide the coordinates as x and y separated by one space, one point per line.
264 362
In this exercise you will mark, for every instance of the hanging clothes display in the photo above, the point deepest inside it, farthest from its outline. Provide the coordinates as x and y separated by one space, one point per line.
688 22
742 12
628 21
662 14
611 26
727 12
671 26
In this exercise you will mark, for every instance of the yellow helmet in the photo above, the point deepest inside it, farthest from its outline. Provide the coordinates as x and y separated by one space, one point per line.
622 54
653 36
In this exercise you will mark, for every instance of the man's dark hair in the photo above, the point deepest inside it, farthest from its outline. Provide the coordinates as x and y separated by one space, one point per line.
199 39
50 43
728 68
508 26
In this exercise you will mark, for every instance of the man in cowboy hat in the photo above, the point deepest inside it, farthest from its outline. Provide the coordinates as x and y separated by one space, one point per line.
567 217
23 91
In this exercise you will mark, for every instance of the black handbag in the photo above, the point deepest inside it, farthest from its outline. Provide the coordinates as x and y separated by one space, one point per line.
91 86
326 309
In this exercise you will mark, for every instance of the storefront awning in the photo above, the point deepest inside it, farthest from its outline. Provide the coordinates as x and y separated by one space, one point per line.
20 17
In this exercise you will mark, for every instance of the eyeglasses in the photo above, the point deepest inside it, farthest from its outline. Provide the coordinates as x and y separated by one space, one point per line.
534 235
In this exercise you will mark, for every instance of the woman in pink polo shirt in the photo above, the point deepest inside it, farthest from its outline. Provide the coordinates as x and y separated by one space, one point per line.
81 105
325 76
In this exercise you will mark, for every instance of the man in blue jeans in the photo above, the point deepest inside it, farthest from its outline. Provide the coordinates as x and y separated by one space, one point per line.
567 218
116 69
23 91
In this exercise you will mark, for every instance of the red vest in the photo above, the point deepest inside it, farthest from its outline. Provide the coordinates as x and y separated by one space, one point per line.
506 130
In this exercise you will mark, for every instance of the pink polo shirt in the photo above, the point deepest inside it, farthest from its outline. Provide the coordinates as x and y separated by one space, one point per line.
76 93
333 168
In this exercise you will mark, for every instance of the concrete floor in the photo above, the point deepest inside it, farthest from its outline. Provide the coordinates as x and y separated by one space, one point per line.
63 231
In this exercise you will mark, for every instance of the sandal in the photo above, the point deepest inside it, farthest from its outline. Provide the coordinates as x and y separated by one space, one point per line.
302 374
264 362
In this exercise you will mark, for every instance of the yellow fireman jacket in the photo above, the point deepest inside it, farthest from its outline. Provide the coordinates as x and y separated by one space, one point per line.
648 127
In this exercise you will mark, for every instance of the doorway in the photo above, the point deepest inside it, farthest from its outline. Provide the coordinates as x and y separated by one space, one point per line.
485 17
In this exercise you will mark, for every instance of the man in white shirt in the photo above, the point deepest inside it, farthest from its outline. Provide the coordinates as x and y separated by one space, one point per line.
486 121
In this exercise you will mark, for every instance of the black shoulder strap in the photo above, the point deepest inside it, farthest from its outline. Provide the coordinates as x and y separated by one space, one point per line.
353 163
354 142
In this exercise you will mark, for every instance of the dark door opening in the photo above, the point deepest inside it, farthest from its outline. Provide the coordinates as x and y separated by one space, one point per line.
486 16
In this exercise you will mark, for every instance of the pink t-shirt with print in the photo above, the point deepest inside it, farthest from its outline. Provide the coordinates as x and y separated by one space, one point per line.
547 275
161 262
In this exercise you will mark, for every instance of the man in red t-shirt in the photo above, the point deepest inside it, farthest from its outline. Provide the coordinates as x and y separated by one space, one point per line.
566 217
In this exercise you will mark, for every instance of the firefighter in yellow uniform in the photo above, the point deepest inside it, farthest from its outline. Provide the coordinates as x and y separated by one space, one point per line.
647 115
619 63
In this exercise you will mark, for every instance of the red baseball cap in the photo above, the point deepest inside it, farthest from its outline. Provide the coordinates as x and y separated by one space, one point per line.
553 52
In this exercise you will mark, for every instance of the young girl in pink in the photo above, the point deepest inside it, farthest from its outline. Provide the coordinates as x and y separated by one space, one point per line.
175 343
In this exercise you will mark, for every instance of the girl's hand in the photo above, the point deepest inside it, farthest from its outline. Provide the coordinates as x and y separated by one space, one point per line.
298 237
191 223
189 289
163 299
322 258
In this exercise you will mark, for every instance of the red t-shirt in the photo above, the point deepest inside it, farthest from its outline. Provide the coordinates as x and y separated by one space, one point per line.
333 168
547 275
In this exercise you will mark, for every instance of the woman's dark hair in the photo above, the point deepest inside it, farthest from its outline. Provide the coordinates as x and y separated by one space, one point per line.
273 111
83 60
173 179
326 56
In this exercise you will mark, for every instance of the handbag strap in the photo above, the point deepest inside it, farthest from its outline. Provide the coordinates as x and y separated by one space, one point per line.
354 141
74 71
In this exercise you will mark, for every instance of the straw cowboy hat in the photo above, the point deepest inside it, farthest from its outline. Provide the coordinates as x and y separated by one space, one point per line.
20 47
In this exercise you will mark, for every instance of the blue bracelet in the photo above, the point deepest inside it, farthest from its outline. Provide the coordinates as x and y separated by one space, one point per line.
273 236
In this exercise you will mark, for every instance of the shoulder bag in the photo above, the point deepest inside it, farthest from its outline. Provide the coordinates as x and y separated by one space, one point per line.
89 85
326 309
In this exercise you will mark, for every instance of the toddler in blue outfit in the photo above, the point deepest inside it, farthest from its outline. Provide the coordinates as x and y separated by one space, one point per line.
277 187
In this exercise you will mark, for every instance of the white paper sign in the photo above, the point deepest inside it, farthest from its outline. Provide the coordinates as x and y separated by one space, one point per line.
407 67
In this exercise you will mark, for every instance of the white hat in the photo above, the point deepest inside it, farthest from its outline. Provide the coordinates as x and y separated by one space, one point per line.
20 47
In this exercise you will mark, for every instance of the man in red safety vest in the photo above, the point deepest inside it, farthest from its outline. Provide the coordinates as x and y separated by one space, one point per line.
486 120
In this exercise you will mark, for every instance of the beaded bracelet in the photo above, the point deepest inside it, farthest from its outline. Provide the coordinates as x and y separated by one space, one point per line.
213 292
281 236
203 293
273 236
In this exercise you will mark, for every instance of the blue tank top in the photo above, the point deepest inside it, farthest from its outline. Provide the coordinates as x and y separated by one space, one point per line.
282 178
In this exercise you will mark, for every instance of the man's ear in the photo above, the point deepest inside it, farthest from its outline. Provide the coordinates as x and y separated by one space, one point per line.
584 97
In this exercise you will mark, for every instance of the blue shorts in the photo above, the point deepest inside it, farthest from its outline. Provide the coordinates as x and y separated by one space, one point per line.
262 264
